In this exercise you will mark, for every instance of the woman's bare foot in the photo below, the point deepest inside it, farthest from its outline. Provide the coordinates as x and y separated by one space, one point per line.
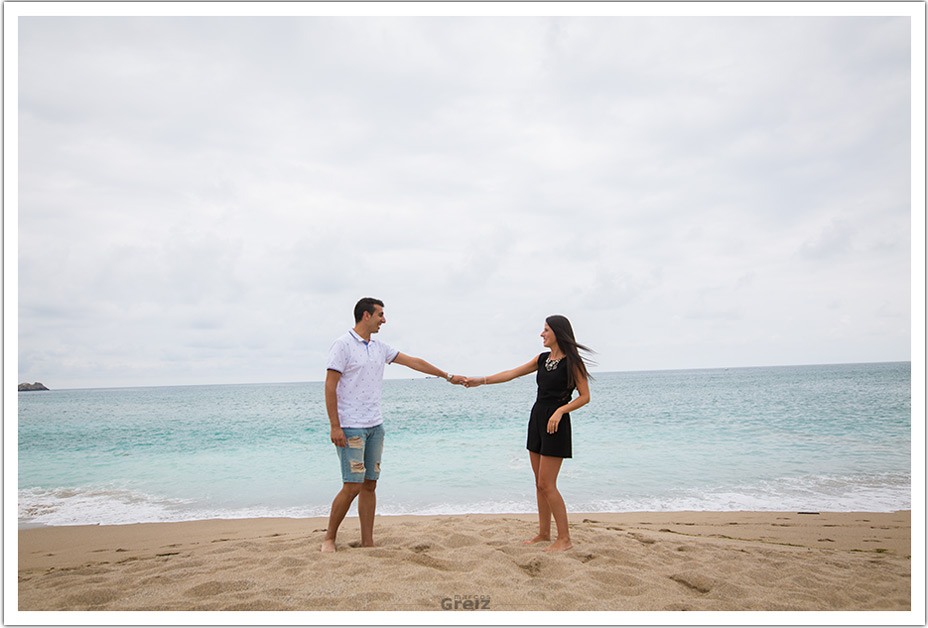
537 539
328 545
559 546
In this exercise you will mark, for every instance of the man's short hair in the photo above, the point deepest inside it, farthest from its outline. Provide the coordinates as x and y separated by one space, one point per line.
365 305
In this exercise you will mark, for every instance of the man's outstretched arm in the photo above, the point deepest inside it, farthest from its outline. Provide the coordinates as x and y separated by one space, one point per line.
418 364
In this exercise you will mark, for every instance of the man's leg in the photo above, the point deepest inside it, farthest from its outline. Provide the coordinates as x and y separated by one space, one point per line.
352 464
340 506
367 504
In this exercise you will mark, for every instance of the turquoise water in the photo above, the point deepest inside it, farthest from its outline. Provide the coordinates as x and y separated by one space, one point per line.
778 438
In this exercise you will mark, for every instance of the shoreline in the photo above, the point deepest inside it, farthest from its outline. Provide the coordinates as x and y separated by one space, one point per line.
31 525
654 561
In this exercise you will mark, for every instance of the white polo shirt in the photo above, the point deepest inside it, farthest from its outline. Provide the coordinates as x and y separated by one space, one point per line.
361 365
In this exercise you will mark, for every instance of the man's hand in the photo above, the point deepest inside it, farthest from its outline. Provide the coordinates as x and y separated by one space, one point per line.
338 437
458 379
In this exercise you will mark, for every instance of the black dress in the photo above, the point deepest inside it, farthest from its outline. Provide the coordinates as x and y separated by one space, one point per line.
553 392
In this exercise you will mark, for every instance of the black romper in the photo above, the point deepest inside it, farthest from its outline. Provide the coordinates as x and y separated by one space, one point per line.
553 392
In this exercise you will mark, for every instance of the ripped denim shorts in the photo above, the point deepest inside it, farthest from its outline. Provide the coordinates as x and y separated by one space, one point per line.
361 458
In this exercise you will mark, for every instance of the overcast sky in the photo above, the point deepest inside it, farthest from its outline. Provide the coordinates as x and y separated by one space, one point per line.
203 200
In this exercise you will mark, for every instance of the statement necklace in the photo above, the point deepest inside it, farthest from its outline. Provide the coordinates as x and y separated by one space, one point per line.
550 364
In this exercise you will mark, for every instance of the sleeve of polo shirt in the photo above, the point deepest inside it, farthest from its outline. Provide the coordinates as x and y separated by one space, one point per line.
389 353
338 358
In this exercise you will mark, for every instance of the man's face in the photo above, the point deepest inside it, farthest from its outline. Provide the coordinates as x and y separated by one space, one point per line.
375 320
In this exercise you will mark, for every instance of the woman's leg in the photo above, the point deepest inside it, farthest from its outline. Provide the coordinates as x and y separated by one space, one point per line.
544 513
548 468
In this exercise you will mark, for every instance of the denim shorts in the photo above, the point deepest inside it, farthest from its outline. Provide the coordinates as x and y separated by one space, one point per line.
361 458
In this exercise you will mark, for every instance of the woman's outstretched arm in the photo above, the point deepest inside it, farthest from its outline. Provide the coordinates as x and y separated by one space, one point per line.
503 376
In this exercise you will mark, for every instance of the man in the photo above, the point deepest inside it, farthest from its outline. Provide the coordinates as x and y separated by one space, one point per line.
354 379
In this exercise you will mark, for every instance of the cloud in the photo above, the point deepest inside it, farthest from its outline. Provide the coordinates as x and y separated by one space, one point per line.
204 199
835 239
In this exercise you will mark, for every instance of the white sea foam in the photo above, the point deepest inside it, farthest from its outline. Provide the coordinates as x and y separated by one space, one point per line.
826 493
70 506
67 506
63 506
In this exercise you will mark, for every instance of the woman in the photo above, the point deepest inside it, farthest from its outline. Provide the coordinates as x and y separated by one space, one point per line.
560 370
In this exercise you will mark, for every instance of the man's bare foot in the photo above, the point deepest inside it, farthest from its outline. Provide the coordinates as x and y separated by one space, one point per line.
328 545
537 539
559 546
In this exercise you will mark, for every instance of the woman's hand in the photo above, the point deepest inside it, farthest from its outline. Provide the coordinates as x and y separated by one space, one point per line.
473 382
554 420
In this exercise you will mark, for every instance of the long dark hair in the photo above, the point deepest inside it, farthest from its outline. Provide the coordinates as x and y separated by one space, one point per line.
569 345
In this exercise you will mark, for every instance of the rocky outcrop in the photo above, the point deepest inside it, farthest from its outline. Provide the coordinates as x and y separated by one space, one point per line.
35 386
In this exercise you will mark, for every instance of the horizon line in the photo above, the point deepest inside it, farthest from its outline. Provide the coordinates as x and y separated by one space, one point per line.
424 377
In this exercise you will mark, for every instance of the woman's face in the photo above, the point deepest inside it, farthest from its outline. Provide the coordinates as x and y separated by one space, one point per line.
547 337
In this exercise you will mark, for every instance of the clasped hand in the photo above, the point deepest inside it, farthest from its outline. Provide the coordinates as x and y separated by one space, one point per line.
467 382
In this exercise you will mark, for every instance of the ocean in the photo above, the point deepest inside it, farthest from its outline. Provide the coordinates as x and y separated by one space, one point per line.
793 438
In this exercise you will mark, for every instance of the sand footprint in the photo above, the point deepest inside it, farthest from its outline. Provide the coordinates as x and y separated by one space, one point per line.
94 597
533 567
694 581
616 579
215 587
431 562
290 561
458 540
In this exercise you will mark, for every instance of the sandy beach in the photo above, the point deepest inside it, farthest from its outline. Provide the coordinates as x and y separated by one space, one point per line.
670 561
